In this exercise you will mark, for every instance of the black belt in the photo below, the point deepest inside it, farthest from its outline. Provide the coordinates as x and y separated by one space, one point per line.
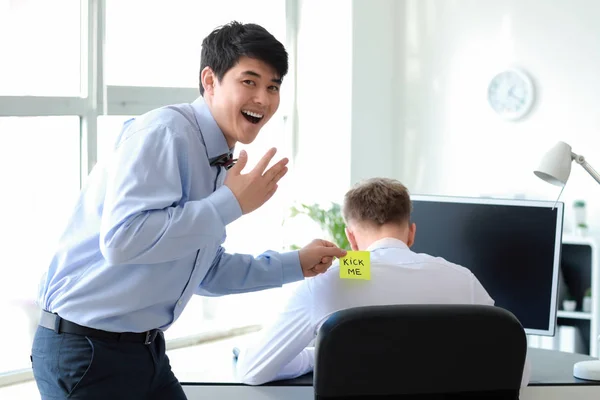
59 325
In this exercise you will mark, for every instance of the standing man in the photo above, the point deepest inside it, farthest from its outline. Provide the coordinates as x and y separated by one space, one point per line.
147 230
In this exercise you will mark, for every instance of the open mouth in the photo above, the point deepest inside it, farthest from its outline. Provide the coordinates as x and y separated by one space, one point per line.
252 117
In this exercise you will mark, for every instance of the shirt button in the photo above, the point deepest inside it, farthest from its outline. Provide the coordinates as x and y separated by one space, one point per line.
179 303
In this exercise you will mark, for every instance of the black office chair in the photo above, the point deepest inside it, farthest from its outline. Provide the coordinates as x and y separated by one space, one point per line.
420 352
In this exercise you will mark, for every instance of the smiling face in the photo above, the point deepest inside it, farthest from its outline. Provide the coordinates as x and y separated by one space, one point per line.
244 100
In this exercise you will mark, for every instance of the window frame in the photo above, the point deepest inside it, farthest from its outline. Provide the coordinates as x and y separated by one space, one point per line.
97 99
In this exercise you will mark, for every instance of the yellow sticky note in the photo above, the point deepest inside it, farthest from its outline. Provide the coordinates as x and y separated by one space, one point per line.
356 265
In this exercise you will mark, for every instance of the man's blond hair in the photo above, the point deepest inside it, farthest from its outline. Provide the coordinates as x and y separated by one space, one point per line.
377 201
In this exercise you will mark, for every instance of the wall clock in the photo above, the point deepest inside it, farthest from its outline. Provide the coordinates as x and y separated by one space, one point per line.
511 94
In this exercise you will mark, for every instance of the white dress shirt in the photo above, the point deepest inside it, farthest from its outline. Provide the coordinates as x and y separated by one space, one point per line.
398 276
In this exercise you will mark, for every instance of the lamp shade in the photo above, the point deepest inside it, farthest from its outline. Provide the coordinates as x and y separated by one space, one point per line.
555 166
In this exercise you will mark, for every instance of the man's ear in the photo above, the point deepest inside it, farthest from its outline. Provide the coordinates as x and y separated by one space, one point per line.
412 230
208 79
351 239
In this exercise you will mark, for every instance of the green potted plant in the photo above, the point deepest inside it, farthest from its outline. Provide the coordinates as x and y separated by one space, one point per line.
581 229
329 219
579 211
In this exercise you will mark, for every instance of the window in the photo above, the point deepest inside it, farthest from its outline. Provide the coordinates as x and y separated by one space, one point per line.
51 136
39 171
109 127
164 48
40 56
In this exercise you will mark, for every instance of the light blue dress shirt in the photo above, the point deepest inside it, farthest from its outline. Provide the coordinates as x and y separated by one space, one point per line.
147 230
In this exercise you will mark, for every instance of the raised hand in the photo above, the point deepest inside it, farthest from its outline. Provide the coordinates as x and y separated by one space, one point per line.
253 189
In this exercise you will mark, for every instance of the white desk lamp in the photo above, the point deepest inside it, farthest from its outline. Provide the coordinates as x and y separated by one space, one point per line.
555 168
588 370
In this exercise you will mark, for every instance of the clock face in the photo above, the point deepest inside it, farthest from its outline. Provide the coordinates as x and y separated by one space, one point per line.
510 94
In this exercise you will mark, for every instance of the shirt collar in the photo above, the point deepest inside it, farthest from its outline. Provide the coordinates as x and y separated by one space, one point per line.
214 140
387 243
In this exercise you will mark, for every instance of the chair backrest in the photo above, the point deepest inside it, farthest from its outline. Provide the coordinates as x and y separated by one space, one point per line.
420 352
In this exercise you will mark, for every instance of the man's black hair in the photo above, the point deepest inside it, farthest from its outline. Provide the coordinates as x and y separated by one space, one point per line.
223 47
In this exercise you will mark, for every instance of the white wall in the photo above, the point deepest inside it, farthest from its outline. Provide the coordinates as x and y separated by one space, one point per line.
376 108
347 103
401 86
324 95
452 142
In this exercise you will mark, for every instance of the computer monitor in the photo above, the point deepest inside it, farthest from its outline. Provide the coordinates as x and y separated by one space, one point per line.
512 246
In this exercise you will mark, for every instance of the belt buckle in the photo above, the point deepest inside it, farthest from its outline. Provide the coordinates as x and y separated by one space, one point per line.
148 338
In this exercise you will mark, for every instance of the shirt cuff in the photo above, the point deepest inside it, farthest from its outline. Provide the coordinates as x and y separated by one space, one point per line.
226 204
290 266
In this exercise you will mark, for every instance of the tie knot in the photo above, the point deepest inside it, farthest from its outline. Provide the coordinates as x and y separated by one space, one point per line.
224 160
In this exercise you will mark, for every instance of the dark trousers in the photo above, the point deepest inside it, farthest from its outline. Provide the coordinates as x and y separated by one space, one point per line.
68 366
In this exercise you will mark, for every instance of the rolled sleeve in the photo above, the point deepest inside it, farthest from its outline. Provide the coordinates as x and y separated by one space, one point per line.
290 267
226 204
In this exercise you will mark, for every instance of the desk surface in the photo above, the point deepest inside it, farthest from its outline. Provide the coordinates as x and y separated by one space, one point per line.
549 368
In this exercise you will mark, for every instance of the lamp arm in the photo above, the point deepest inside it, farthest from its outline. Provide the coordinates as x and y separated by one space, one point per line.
579 159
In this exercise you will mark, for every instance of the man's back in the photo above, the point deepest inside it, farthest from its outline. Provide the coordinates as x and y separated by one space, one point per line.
398 276
377 217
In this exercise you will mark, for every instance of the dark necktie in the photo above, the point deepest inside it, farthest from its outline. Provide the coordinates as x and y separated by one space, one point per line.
225 160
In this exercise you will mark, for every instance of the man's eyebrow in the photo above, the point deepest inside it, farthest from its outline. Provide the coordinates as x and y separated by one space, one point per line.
257 75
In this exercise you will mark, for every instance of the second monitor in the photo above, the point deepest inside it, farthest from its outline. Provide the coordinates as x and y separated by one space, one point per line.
512 246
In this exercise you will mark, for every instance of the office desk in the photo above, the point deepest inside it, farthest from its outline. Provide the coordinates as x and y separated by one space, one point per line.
552 379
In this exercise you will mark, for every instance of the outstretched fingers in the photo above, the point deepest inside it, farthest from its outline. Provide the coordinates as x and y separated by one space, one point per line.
264 162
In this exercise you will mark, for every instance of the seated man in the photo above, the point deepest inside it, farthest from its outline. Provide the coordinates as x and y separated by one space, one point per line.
377 215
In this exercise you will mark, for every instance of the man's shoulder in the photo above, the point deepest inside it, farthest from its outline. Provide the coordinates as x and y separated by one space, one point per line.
164 122
175 116
325 280
441 263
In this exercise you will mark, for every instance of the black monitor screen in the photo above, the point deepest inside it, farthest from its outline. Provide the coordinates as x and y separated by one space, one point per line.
511 246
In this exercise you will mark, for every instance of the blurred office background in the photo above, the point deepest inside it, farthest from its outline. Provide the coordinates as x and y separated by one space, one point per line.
393 88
